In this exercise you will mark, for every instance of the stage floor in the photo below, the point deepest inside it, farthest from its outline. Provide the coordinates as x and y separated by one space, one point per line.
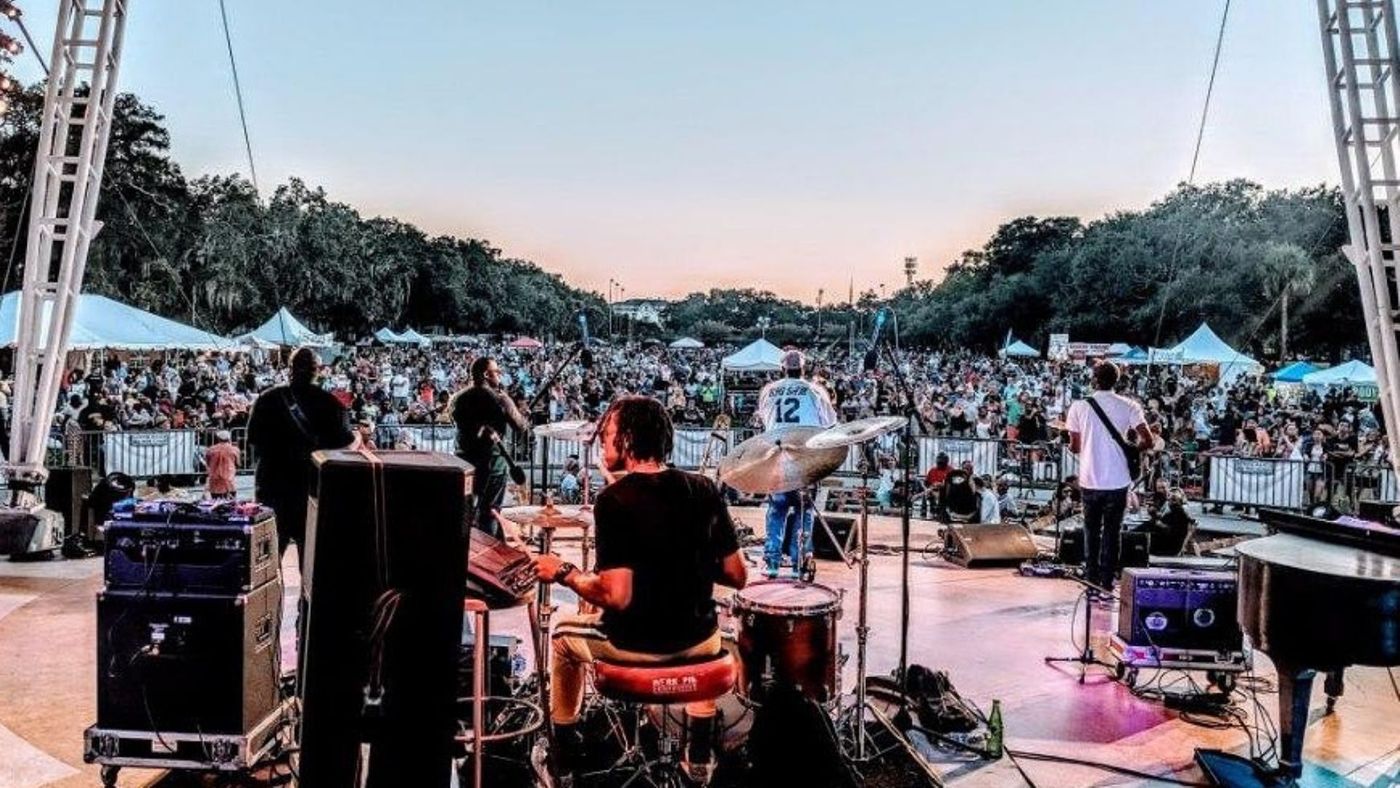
989 629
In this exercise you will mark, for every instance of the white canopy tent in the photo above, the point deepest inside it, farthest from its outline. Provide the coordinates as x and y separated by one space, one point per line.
103 324
1352 373
687 343
1204 346
759 356
1018 349
284 330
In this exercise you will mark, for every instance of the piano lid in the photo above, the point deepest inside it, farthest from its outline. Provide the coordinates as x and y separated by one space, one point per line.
1346 531
1311 555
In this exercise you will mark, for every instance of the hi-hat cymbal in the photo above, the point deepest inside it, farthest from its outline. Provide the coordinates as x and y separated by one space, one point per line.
778 461
550 516
581 431
853 432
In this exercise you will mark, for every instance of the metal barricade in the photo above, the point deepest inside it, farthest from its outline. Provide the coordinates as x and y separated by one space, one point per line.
1257 481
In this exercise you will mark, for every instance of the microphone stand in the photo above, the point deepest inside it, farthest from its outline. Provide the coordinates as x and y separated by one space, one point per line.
912 415
535 401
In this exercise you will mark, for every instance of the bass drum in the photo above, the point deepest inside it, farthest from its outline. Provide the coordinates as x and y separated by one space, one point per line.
787 636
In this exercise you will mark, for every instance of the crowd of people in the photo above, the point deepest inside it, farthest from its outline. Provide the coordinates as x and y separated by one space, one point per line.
956 394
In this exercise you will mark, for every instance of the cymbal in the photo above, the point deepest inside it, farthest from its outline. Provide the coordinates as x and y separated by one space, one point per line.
853 432
550 516
581 431
779 461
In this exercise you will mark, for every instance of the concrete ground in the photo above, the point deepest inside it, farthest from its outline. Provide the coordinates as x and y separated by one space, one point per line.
989 629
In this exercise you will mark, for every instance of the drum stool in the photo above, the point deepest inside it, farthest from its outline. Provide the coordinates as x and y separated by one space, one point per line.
634 687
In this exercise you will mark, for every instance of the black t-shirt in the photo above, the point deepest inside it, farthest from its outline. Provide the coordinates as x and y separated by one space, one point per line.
673 530
476 407
283 448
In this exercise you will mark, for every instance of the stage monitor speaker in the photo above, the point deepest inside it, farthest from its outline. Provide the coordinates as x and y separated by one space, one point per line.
989 544
1377 511
841 528
398 517
1133 551
65 492
1179 609
177 663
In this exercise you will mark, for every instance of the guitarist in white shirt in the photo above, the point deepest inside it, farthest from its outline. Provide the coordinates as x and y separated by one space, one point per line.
791 401
1104 475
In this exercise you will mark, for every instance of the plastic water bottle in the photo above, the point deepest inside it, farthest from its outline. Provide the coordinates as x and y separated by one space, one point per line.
994 731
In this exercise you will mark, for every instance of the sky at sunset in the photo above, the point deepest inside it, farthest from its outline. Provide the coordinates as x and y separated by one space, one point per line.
788 146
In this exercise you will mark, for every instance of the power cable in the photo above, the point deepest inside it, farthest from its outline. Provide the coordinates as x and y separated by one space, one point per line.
1191 177
238 92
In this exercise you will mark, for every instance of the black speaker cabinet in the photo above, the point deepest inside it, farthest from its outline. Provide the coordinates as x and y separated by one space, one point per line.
390 521
1179 609
1133 551
171 663
987 545
841 528
65 491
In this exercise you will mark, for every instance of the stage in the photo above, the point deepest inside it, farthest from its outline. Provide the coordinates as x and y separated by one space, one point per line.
989 629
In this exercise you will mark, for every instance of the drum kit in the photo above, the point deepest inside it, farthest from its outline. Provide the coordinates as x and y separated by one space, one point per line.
785 630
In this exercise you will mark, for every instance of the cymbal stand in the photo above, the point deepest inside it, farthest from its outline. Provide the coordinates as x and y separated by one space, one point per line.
1086 657
854 717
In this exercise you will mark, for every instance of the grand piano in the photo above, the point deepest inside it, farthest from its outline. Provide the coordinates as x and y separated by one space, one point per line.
1318 596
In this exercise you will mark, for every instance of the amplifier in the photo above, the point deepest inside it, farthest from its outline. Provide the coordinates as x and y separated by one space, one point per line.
1135 549
190 558
66 491
188 664
1179 609
841 528
207 512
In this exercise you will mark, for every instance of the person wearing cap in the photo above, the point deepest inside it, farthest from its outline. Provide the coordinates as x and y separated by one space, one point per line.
221 460
791 401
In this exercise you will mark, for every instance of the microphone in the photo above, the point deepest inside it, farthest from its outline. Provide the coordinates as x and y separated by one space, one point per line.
872 356
586 356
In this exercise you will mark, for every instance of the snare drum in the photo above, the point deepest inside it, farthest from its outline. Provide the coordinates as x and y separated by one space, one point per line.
787 634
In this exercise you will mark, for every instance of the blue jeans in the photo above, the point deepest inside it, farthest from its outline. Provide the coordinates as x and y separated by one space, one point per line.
1103 528
779 506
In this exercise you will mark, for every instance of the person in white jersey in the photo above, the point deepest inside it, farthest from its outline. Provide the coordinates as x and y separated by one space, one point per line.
1104 478
791 401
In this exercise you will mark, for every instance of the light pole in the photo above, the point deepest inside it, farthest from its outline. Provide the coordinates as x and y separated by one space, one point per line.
820 293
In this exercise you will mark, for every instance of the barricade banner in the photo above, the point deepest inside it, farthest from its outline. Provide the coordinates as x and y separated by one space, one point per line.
1257 482
154 453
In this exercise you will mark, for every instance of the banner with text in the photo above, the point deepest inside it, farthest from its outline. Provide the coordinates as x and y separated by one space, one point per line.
153 453
1257 482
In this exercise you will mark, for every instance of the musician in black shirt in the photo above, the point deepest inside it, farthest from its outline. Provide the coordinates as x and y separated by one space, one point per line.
287 424
664 539
483 412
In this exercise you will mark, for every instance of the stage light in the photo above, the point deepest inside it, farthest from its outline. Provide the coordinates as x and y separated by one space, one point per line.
7 82
4 105
10 46
10 10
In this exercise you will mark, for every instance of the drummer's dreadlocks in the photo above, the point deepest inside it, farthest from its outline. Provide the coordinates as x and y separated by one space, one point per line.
643 428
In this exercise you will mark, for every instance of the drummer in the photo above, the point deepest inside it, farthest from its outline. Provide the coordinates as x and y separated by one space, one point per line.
791 401
664 539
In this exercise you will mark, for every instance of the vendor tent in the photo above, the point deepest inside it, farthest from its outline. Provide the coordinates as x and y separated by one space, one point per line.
1018 349
526 343
283 329
1294 373
387 336
1204 346
759 356
1352 373
1119 349
687 343
1133 357
103 324
415 338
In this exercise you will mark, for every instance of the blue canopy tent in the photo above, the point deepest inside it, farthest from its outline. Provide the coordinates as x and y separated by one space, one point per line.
1293 373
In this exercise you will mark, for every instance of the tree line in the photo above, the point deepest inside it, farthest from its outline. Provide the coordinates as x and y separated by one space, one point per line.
1262 266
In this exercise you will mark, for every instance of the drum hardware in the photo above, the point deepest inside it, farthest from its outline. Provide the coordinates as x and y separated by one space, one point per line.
842 437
